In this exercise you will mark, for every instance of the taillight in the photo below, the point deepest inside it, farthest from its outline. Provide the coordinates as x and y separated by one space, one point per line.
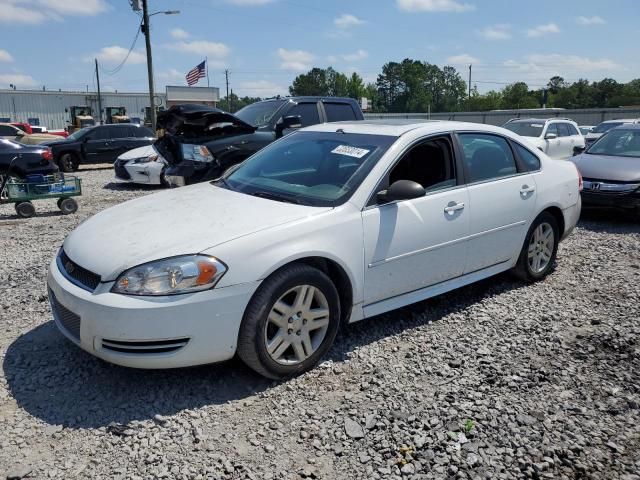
47 155
579 177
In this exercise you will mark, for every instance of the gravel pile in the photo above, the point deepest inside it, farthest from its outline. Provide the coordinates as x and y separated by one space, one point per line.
497 380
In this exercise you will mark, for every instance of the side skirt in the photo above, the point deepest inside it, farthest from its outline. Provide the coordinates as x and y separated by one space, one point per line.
418 295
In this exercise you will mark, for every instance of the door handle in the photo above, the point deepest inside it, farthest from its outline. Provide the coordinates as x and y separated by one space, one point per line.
452 209
527 189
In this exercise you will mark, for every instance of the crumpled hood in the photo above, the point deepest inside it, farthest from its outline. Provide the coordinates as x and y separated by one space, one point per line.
139 152
605 167
174 222
196 120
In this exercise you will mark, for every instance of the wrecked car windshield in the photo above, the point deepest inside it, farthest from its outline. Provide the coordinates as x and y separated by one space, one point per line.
310 168
260 113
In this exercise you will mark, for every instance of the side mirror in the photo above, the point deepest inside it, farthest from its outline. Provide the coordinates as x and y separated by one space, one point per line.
577 150
401 190
291 121
550 136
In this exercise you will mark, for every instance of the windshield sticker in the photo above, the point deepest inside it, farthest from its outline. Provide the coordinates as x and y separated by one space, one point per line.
350 151
539 125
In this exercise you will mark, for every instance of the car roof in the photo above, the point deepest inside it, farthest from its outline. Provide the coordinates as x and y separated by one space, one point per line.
309 98
398 127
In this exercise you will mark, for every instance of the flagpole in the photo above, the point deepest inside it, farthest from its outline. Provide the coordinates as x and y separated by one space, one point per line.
206 62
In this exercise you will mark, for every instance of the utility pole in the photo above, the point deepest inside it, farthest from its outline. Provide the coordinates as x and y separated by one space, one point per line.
147 37
226 74
469 98
231 105
99 98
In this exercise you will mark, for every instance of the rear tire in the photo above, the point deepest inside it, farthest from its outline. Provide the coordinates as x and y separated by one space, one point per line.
67 206
25 209
290 322
68 162
538 254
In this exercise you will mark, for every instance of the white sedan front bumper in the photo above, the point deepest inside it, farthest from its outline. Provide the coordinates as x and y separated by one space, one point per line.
146 173
149 332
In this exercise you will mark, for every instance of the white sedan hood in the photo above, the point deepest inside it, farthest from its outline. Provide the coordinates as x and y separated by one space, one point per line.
139 152
175 222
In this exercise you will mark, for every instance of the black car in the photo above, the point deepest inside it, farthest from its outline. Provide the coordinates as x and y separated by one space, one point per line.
99 144
20 160
231 138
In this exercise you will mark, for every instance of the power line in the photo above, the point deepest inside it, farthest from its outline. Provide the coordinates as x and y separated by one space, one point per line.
119 67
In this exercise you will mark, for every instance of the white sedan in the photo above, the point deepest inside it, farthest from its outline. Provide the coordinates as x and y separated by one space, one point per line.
331 224
142 165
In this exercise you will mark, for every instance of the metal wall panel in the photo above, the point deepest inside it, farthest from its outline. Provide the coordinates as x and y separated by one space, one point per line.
48 107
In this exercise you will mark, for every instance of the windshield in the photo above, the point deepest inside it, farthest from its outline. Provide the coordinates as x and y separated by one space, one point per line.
78 134
526 129
310 168
259 113
605 127
619 143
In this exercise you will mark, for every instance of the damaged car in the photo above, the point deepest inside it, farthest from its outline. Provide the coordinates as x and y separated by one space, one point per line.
200 142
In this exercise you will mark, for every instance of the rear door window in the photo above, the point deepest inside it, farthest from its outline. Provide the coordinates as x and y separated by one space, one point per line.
563 130
338 112
530 160
308 113
553 128
99 133
487 157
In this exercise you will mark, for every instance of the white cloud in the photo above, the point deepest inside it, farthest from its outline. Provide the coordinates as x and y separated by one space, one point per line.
38 11
249 3
179 33
75 7
115 54
501 31
260 88
541 30
18 79
586 21
571 63
434 6
464 59
297 60
349 57
5 56
215 51
172 76
347 20
11 12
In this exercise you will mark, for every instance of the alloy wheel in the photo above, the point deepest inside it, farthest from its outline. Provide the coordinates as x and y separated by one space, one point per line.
297 325
541 248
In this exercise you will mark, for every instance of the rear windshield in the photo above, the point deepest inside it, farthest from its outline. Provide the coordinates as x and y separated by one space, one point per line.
526 129
605 127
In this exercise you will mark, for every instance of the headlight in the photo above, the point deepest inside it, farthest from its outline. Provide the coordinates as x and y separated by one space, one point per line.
196 153
150 158
171 276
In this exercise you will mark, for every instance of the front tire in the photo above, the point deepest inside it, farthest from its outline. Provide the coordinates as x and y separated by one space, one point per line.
540 248
290 322
68 162
25 209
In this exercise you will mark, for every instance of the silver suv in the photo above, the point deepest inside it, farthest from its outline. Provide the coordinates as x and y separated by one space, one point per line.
557 137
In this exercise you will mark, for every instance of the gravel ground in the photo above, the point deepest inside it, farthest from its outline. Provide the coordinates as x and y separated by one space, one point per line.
497 380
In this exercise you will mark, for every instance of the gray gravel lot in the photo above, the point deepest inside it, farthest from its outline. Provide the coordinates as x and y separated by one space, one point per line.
497 380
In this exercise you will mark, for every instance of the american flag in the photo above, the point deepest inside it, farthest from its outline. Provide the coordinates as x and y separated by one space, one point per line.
195 74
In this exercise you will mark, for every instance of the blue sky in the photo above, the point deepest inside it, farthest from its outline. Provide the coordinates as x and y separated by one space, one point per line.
266 43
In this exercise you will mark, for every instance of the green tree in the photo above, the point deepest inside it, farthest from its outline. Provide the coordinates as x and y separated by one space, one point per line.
516 96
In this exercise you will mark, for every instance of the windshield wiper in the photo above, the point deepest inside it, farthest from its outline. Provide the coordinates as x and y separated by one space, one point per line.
276 196
224 183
